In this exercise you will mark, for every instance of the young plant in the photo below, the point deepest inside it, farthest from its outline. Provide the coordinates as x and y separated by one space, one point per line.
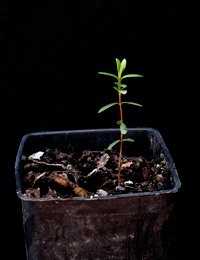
121 89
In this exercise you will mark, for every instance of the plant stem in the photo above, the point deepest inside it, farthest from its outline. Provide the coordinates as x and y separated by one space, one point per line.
121 136
120 159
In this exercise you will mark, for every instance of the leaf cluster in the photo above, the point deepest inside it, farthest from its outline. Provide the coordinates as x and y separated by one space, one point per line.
121 89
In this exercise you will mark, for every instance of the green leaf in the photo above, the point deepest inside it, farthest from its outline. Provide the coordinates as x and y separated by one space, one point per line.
128 140
132 103
118 63
108 74
107 106
120 85
122 91
116 88
122 67
113 144
132 76
123 85
123 128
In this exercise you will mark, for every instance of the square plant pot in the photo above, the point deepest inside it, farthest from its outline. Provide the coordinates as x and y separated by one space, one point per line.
127 226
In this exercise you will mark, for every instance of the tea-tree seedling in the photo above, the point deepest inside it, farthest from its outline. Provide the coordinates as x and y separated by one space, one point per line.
121 89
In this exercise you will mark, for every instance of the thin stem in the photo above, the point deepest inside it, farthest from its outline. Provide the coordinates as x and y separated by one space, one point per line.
121 136
120 159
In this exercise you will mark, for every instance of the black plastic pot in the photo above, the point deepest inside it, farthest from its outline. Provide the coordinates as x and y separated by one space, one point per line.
137 226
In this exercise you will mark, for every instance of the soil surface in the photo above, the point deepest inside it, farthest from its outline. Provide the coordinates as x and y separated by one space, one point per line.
56 173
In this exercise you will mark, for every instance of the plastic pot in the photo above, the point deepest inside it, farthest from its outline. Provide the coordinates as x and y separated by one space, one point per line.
135 226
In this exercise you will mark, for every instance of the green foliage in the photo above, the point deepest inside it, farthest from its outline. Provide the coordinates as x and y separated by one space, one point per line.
122 90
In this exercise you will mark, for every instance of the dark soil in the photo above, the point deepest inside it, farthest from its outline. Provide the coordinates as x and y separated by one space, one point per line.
56 173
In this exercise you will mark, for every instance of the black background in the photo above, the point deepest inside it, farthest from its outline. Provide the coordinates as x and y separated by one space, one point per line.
50 55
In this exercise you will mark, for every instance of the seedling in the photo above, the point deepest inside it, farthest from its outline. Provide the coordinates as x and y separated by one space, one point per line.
121 90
